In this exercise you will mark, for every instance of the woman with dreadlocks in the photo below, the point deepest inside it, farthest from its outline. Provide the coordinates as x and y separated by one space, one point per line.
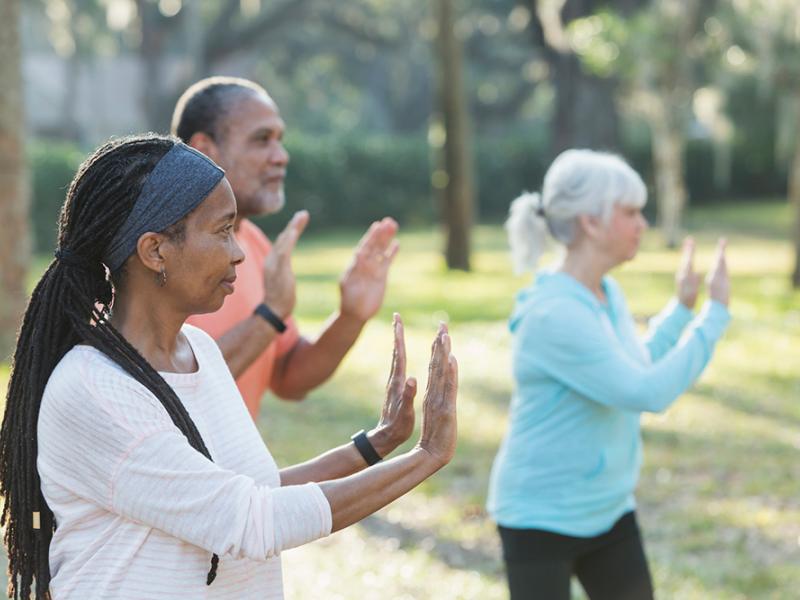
128 463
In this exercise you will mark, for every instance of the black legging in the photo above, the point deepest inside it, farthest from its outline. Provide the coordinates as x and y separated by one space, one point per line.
611 566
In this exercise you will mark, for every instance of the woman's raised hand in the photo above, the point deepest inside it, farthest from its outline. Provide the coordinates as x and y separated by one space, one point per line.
354 497
718 281
397 415
687 280
439 429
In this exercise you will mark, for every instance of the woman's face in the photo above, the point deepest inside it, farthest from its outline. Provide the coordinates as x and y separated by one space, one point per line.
201 268
624 233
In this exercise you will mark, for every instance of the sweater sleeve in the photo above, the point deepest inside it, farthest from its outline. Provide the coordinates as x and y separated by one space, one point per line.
575 347
665 328
106 439
164 483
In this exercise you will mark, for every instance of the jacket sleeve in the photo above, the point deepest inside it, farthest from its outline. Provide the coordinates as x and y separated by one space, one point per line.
574 346
665 328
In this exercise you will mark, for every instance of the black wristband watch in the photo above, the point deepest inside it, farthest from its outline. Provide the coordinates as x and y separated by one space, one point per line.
263 311
365 448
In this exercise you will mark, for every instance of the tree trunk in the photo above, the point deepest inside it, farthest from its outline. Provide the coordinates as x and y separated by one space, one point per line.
69 103
14 226
586 114
794 201
70 128
457 194
667 148
151 54
193 32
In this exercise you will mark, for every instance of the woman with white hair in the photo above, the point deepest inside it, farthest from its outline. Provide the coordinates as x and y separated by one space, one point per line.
562 485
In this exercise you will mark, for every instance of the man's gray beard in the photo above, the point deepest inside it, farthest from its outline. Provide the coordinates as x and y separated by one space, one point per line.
277 202
281 200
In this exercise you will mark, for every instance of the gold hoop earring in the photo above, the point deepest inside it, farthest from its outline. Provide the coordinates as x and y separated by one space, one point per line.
161 277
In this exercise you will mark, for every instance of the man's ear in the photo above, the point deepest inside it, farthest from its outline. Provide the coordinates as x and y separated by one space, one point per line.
204 143
150 249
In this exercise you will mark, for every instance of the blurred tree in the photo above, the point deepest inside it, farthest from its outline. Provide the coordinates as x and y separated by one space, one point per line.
456 173
766 36
156 29
14 227
586 113
585 110
361 63
357 46
656 53
77 32
206 34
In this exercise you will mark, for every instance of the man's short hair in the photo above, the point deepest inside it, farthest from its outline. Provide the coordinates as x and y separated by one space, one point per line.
205 105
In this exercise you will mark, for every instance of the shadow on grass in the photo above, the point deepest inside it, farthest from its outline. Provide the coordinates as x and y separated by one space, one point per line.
699 496
449 552
782 410
740 453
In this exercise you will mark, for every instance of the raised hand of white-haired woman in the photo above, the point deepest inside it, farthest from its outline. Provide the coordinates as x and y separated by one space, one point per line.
718 280
687 280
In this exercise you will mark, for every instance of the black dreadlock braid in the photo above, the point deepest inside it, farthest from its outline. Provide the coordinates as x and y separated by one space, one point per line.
69 306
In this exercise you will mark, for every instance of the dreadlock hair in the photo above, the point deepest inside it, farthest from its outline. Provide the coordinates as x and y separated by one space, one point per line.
71 305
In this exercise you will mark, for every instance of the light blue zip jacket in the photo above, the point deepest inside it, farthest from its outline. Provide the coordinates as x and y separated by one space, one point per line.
570 459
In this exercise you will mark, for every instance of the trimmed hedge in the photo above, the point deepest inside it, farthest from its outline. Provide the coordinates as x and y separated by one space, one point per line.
52 167
354 179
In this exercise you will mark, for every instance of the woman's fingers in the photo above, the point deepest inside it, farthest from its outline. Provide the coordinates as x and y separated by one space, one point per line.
722 245
438 358
687 260
400 344
438 432
438 346
409 392
720 265
718 279
397 373
445 364
452 381
440 377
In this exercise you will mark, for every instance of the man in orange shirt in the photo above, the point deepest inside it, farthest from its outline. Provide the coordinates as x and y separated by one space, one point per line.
236 123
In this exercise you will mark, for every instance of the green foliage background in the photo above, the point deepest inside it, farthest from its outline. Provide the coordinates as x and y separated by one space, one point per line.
374 175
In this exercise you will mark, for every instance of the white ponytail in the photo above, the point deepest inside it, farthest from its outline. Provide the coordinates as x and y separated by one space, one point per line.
527 232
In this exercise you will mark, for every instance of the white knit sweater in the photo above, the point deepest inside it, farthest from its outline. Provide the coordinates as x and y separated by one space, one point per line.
139 511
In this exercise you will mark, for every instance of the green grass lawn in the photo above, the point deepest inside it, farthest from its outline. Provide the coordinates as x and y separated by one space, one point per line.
718 497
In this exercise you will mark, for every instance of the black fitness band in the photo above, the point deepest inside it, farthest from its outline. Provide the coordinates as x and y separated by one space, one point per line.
263 311
365 448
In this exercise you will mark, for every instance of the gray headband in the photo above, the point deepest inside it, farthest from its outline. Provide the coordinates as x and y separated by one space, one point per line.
180 181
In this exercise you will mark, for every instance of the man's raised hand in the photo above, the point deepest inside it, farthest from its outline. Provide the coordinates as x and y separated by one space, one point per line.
363 284
279 281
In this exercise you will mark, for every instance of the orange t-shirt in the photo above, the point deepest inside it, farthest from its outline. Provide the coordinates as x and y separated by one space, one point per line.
249 293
